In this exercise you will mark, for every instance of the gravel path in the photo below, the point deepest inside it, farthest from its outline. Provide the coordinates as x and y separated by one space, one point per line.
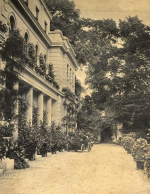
107 169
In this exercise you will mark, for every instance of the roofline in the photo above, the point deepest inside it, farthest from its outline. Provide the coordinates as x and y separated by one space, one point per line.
46 9
70 51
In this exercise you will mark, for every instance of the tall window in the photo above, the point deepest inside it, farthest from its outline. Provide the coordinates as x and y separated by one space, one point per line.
36 53
67 72
45 26
73 79
26 43
37 13
70 76
45 59
12 24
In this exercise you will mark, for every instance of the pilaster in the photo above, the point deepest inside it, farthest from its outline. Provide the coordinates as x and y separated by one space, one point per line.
29 101
56 110
49 110
40 107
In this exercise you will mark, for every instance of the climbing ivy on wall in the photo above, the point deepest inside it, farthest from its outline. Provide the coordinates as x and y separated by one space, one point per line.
45 118
70 104
35 116
14 60
31 55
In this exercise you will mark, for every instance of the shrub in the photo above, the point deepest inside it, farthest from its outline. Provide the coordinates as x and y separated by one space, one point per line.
17 153
58 140
128 143
147 161
19 159
139 149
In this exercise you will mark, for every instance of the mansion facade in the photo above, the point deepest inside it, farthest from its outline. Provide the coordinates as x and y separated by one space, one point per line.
33 20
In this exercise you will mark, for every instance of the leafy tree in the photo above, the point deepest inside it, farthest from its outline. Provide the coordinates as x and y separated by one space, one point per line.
78 88
65 17
89 119
119 74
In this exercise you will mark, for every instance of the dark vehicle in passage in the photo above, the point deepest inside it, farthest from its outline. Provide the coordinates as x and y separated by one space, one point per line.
79 144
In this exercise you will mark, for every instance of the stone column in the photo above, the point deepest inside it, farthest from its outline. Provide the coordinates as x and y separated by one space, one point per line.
58 110
29 100
15 133
49 110
40 107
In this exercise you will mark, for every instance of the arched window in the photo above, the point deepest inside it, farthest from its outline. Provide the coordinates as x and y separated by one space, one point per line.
12 23
26 43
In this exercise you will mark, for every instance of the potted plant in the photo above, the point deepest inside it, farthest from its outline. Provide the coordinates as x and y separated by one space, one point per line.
50 74
31 59
44 148
28 138
43 139
48 78
19 158
55 84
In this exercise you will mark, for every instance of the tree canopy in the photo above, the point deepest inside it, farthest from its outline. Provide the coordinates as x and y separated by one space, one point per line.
65 17
119 72
89 117
117 59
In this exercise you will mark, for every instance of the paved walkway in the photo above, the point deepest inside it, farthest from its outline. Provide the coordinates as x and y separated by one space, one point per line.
107 169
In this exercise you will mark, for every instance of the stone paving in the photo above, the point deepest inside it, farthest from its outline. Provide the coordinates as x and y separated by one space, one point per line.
107 169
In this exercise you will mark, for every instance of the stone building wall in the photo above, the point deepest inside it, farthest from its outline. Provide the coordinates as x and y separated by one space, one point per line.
32 18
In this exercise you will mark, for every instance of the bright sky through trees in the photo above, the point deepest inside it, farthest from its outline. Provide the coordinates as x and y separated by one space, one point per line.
115 9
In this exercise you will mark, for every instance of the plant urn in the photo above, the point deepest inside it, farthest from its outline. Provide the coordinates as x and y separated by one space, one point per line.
140 164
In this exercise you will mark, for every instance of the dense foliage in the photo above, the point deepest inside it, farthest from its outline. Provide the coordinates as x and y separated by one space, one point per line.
89 118
14 60
118 71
